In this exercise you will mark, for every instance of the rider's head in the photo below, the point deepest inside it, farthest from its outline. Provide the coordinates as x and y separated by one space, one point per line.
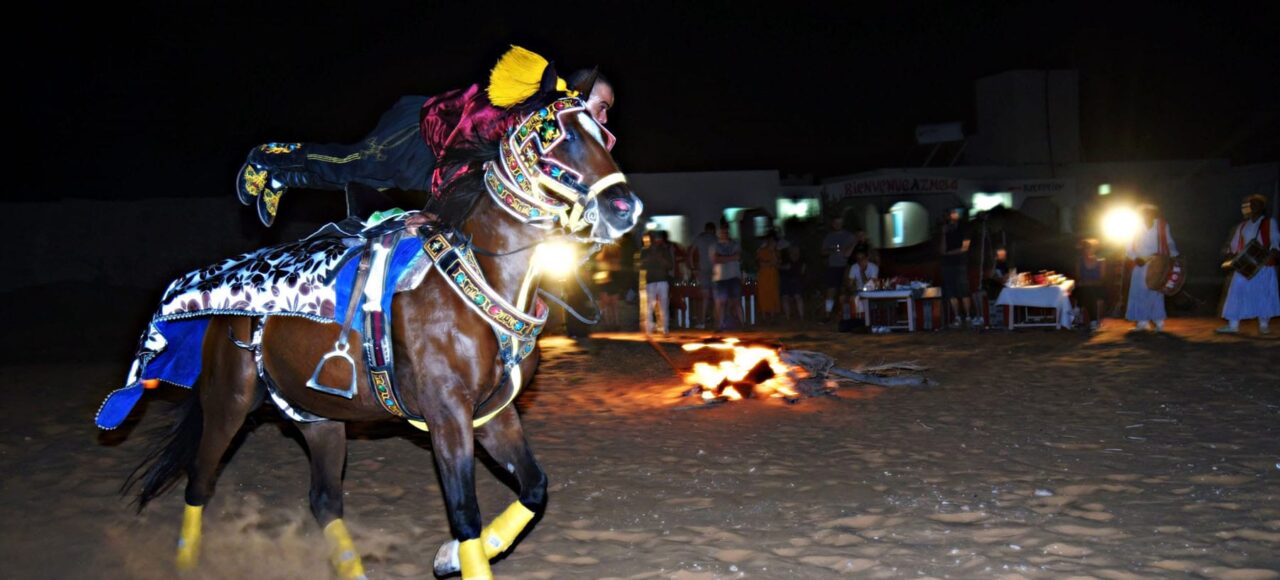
601 98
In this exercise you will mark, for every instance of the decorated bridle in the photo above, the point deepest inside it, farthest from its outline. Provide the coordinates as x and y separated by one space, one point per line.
537 191
535 188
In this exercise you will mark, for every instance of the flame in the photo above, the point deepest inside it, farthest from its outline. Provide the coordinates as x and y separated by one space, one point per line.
710 377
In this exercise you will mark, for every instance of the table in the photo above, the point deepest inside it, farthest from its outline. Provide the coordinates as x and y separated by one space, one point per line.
905 296
1049 296
682 296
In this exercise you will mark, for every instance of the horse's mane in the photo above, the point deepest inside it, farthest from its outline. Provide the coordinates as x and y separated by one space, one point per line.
455 202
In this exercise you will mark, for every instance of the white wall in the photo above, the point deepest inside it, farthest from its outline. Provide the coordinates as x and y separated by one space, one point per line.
703 196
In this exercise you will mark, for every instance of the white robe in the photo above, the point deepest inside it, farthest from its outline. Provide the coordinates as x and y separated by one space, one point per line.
1144 303
1256 297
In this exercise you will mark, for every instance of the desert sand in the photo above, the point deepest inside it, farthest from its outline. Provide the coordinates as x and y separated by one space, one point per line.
1040 454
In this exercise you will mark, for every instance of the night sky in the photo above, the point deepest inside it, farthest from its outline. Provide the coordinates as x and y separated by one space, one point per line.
165 99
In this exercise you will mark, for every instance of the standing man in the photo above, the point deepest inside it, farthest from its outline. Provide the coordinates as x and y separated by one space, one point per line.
837 246
1153 239
791 270
955 268
659 264
728 280
1255 297
702 250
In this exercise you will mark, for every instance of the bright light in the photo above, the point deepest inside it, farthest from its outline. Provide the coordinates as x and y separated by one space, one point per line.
987 201
1104 189
802 208
1120 224
557 259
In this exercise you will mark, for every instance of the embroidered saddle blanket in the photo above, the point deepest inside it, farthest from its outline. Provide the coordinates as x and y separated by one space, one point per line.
311 278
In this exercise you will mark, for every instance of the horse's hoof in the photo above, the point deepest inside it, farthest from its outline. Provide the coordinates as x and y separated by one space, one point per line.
447 559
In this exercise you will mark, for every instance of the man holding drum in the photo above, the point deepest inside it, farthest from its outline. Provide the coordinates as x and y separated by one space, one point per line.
1254 248
1146 306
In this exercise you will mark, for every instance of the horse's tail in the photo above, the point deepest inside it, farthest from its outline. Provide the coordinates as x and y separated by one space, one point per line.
175 452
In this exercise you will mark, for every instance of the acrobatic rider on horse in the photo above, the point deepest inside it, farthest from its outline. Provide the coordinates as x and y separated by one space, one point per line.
400 153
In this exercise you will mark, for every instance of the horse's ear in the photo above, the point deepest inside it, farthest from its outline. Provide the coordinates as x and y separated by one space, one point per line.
588 82
549 79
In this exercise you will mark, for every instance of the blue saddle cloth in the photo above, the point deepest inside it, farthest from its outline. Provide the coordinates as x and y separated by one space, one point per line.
312 278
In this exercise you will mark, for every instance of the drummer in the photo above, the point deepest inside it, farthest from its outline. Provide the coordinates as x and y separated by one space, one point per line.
1255 297
1146 306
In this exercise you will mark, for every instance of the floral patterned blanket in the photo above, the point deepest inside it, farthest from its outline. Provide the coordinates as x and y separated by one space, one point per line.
312 278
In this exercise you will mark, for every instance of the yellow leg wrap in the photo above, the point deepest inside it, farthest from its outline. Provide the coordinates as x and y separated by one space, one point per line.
189 538
342 551
475 565
503 530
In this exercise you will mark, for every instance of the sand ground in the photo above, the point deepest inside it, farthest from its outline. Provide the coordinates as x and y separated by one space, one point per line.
1041 454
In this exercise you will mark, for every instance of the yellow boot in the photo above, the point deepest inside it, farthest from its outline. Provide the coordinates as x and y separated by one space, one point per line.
189 538
504 529
475 565
342 551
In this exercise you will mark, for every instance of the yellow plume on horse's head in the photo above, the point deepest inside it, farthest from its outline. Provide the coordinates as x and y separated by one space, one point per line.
520 74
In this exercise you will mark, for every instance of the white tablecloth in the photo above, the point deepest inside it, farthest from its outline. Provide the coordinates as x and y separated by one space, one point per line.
1048 296
884 293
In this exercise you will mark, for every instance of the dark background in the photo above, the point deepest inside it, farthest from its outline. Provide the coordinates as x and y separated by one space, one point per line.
164 99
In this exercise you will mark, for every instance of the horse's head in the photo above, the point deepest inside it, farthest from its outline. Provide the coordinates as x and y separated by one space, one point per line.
554 169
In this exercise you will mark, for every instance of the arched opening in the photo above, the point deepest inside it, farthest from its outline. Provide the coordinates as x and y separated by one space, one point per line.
906 224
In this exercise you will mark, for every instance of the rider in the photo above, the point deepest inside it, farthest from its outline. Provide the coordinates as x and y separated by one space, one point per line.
401 152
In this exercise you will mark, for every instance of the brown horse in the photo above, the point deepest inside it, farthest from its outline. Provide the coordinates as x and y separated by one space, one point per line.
447 354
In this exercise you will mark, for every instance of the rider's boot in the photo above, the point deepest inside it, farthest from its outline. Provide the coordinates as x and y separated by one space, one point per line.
268 172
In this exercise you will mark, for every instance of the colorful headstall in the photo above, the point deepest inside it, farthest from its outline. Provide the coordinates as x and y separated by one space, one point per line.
537 189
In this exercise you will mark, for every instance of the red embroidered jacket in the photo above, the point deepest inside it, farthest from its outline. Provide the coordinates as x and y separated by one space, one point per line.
456 117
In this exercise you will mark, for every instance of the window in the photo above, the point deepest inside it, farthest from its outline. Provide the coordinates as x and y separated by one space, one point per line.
801 208
906 224
672 224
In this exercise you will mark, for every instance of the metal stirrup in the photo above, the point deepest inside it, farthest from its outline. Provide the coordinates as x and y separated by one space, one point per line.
340 347
340 350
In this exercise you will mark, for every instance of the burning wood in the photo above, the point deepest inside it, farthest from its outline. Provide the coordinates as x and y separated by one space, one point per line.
759 371
753 371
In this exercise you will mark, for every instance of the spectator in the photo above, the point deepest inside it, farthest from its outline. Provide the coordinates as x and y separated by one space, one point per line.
629 276
659 264
861 244
837 246
1090 287
954 244
861 273
702 249
767 277
727 275
791 272
609 285
1001 268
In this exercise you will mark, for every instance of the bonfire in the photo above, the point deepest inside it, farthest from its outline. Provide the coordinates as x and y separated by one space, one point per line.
766 371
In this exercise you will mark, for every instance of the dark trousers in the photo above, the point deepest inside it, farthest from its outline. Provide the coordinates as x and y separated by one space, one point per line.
1087 298
393 155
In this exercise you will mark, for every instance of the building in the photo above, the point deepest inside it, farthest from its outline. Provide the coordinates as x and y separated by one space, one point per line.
1025 155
